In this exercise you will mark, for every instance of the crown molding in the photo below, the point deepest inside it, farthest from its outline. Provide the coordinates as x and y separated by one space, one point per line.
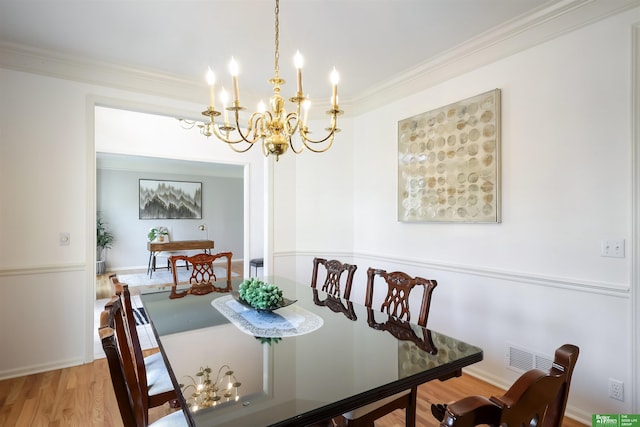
68 67
519 34
515 36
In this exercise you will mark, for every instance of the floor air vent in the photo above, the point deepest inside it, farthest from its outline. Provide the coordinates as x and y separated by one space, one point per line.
521 360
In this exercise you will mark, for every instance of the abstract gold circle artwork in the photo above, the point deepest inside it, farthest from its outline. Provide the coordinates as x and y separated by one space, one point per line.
449 162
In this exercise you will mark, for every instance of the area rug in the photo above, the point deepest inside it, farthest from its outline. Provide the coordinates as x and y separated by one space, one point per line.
140 315
163 277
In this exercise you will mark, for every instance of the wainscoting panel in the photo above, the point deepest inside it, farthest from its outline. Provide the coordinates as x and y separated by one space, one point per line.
45 325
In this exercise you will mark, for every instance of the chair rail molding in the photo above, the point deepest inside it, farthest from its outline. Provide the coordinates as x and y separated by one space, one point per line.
611 289
42 269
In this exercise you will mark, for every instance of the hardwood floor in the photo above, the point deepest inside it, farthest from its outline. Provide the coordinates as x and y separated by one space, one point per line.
83 396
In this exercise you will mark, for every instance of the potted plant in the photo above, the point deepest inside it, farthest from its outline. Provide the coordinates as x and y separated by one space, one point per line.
158 234
104 239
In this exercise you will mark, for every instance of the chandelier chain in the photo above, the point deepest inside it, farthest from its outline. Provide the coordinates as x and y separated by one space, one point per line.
277 50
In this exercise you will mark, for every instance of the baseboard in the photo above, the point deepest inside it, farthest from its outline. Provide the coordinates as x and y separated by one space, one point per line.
37 369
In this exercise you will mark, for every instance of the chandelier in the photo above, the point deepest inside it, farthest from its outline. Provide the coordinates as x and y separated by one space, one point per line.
275 129
207 393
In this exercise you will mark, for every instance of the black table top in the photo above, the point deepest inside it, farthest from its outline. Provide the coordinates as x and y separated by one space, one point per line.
330 365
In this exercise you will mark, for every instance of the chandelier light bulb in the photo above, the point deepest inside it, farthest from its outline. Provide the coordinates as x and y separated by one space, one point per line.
335 79
298 60
233 69
211 78
261 107
224 98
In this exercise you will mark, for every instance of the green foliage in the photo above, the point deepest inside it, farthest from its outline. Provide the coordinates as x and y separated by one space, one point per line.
260 295
104 237
157 231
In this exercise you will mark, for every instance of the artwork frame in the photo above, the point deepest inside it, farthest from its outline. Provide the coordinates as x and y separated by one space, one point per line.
165 199
449 162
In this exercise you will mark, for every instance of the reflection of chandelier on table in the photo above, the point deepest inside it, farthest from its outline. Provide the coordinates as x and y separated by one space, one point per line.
207 393
274 128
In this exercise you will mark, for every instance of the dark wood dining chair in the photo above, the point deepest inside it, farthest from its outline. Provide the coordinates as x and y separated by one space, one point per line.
125 382
334 283
201 281
537 398
151 372
399 286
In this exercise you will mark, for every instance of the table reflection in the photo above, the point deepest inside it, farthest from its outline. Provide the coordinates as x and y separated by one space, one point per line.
338 356
202 392
335 304
404 331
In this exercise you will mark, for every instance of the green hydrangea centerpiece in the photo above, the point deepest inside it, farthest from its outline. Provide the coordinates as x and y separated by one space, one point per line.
260 295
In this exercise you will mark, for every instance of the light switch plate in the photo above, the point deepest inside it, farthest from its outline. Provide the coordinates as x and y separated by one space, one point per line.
613 248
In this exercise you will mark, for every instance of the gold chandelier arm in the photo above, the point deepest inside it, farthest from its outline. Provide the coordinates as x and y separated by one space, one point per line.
292 117
304 134
220 136
239 150
311 148
243 138
187 124
293 148
250 129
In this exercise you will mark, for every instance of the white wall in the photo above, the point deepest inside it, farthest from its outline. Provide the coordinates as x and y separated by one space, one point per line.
47 184
536 280
117 202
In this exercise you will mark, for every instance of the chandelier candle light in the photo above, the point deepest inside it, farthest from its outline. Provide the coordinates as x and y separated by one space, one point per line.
274 128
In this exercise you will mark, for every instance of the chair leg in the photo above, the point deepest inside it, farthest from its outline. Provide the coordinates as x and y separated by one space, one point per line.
410 410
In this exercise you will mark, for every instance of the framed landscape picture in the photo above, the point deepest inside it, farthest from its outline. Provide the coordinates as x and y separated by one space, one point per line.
170 199
449 163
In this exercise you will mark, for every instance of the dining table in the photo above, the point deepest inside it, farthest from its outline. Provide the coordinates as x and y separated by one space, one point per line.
315 357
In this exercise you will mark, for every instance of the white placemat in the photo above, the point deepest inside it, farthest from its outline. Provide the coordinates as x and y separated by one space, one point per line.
285 322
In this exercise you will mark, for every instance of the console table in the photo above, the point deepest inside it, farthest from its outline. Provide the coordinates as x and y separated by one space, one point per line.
176 245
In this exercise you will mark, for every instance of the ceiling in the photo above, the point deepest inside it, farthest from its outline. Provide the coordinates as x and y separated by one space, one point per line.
368 41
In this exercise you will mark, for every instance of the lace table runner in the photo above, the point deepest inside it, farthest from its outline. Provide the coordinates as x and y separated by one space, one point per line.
285 322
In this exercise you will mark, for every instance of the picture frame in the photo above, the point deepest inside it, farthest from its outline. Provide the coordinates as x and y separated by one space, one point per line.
162 199
449 163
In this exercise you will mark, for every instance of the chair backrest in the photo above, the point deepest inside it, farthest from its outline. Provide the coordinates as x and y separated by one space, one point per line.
115 283
202 274
332 283
537 398
124 378
399 287
131 330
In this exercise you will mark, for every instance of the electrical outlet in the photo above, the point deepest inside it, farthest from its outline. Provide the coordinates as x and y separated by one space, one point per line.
612 248
616 389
